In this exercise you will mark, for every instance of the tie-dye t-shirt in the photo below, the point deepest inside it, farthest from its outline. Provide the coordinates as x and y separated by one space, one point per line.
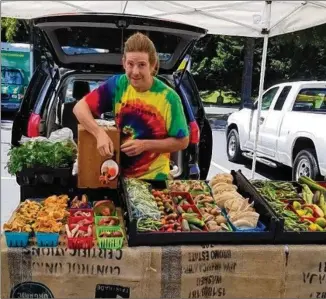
154 114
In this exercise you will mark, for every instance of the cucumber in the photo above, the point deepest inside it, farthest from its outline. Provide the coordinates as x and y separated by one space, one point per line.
311 184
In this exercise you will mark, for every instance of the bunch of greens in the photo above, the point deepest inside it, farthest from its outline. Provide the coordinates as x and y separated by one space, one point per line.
275 193
142 201
41 154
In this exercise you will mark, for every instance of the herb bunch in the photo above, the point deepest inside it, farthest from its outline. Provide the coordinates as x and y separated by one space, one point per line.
41 154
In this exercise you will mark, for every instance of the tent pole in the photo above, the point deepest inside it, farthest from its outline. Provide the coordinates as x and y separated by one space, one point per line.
261 84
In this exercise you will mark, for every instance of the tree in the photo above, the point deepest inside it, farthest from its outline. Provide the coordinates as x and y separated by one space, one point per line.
218 63
14 30
10 27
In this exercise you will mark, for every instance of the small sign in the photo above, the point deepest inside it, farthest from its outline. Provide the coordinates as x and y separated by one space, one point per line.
111 291
30 289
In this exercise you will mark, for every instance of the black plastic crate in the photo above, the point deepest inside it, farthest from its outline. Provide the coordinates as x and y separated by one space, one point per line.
161 239
290 237
35 176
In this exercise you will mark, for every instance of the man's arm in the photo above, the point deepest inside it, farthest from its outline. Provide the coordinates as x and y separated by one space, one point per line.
168 145
95 103
85 117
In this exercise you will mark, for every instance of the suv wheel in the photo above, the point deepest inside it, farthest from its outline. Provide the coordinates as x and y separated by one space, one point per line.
233 146
305 164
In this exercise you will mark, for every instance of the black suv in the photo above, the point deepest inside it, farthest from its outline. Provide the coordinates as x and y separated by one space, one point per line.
81 51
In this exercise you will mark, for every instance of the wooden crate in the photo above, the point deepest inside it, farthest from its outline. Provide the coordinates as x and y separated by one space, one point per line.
90 161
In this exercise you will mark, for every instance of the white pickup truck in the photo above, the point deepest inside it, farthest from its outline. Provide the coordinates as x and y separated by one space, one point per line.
292 129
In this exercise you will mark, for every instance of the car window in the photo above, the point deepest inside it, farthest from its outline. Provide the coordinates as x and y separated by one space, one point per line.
310 99
11 77
86 40
268 98
282 97
69 96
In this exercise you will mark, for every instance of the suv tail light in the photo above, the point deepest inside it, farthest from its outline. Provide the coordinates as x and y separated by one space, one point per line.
194 133
33 128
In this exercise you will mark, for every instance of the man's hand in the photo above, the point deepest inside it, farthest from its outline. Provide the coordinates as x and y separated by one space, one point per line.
104 144
133 147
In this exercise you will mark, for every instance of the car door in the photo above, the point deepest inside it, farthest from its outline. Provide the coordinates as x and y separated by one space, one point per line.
267 101
270 130
95 41
200 153
28 120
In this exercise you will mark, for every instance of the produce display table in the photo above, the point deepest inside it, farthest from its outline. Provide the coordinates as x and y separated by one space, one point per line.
209 271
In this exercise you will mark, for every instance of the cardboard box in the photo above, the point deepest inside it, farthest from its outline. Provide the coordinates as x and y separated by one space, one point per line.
90 160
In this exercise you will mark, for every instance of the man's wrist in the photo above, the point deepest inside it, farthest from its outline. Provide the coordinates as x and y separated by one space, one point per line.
146 145
98 131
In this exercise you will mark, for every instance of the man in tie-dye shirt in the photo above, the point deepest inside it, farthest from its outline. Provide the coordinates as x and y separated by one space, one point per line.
148 113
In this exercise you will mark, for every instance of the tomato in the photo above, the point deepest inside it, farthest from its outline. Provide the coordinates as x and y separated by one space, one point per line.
112 172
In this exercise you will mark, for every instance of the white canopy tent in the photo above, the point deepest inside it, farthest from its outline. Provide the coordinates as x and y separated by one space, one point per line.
238 18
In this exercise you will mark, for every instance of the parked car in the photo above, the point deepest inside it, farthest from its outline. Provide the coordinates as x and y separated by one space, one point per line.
292 124
12 88
47 105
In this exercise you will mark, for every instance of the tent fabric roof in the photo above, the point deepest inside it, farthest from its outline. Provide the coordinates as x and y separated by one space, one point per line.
237 18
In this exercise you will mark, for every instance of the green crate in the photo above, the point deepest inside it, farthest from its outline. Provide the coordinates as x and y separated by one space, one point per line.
98 218
109 243
114 214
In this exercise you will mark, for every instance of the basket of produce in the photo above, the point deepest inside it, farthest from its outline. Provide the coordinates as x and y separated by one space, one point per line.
81 213
42 162
81 203
80 221
112 221
300 207
19 228
41 217
163 217
47 239
239 210
109 237
79 237
104 208
17 239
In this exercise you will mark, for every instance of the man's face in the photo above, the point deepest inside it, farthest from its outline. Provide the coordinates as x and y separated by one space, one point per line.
138 70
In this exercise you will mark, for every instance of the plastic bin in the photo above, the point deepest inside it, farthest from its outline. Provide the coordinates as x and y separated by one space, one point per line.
47 239
17 239
81 242
110 242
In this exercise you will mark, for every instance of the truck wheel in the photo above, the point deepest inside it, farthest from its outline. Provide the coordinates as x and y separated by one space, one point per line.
233 146
305 164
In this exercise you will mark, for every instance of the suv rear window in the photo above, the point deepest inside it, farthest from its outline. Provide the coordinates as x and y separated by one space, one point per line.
311 99
86 40
69 96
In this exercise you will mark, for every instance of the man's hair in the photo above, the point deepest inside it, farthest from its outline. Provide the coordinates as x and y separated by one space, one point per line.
139 42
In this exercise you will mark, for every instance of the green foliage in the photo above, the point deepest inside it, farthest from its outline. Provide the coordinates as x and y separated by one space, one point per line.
41 153
10 25
218 60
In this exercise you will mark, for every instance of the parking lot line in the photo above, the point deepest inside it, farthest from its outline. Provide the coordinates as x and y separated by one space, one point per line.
220 167
8 178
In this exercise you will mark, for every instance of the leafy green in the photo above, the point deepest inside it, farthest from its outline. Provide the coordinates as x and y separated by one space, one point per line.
42 154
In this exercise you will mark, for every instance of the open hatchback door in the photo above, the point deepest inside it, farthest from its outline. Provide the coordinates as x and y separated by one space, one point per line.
95 41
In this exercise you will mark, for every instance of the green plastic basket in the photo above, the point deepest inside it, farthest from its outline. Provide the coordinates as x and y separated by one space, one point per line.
113 214
98 218
109 243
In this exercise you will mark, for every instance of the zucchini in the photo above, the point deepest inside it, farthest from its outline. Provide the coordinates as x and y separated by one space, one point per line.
195 228
311 183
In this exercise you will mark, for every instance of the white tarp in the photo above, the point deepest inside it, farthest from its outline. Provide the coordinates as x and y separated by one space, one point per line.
242 18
